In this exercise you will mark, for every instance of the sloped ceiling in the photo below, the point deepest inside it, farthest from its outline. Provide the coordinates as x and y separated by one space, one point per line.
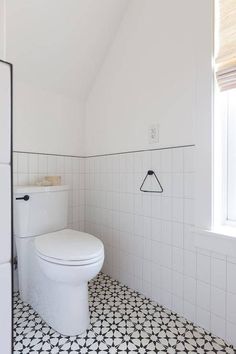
60 44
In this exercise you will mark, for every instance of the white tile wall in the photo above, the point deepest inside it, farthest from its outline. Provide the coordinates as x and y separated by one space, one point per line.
149 238
30 168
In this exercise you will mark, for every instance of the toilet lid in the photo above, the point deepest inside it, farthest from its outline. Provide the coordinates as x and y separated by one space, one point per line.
69 245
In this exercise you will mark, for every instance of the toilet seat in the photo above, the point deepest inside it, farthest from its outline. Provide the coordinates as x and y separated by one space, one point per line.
69 247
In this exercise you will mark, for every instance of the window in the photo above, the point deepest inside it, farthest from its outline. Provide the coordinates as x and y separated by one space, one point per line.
231 156
225 116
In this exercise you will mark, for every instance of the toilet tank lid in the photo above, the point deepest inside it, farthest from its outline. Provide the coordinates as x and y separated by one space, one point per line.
39 189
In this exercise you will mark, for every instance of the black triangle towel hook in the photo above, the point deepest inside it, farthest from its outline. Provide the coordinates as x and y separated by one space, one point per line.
151 173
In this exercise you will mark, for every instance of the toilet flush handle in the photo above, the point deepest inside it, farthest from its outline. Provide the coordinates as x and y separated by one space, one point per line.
26 197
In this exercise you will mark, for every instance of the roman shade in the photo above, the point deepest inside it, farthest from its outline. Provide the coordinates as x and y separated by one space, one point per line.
226 59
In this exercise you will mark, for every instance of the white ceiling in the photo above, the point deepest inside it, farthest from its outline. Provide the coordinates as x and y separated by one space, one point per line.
60 44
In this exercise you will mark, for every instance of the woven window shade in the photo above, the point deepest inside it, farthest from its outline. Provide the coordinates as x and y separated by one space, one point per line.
226 59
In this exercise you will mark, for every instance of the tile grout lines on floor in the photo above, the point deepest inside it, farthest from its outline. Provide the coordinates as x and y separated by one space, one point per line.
122 321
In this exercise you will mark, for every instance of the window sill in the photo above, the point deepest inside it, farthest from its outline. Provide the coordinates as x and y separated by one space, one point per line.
222 240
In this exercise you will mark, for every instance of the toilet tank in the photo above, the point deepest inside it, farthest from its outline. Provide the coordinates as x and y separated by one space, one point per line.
39 210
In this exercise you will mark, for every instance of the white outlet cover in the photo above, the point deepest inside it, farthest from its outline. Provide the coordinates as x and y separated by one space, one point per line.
153 134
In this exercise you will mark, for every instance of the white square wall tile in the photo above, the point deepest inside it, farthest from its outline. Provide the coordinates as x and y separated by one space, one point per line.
5 308
146 161
150 253
33 163
189 311
190 263
5 113
177 209
190 289
68 164
203 295
166 212
231 308
203 318
218 301
178 259
52 164
178 284
177 185
157 293
189 238
23 163
177 160
189 159
43 164
218 273
189 185
166 276
5 210
156 206
230 333
178 305
138 163
177 234
231 277
203 268
166 299
218 326
147 205
166 160
166 255
166 182
189 211
166 230
156 275
156 230
155 250
156 160
147 271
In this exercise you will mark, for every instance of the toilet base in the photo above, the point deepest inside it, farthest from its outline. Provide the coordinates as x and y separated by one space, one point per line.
69 310
64 308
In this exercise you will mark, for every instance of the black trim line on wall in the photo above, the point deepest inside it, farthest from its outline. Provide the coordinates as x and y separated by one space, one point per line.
109 154
144 150
44 153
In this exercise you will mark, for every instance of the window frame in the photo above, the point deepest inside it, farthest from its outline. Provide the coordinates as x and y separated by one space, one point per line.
220 160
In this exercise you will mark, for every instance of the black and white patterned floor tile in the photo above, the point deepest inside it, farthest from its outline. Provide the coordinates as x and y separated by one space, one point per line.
122 321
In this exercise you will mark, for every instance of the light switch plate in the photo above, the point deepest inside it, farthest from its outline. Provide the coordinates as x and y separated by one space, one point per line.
153 134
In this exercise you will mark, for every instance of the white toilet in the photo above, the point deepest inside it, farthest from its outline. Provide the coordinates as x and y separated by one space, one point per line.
54 263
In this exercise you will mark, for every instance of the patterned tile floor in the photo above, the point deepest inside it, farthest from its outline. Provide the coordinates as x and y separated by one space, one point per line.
122 321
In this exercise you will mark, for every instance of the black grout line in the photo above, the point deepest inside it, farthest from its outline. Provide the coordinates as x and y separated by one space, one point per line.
110 154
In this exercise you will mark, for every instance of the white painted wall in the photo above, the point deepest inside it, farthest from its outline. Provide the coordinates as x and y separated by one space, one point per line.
47 122
54 66
59 45
2 29
149 76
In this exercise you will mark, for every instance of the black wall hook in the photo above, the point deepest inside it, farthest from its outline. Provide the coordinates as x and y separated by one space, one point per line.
151 173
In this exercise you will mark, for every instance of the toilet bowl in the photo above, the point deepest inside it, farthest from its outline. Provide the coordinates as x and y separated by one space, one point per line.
69 259
55 263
